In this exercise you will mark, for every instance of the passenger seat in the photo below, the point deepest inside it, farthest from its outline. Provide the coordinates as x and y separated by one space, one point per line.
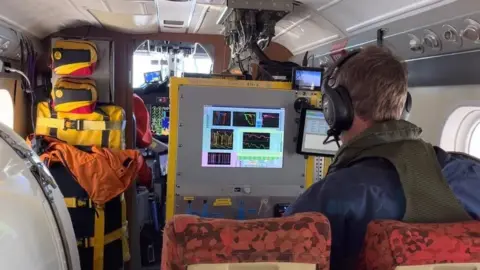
298 242
402 246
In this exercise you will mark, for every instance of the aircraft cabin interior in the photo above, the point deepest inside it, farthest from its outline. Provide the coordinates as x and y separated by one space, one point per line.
174 134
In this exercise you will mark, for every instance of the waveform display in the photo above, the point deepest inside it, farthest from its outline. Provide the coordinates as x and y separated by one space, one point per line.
270 120
219 158
222 118
254 140
221 139
244 119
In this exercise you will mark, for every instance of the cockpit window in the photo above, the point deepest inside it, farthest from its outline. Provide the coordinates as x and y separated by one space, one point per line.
156 60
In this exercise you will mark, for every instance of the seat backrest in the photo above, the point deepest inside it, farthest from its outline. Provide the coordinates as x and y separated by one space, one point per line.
389 244
191 240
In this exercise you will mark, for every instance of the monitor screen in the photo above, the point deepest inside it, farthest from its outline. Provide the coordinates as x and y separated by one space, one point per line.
308 79
314 133
160 120
154 76
243 137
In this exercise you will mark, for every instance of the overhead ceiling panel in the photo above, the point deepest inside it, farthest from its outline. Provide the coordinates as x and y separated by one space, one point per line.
39 18
175 11
303 30
127 22
209 24
358 15
151 8
319 4
125 7
198 16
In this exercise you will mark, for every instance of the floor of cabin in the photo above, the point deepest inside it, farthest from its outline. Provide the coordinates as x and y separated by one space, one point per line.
152 267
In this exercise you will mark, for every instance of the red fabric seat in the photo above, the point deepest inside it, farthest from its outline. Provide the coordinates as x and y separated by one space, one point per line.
302 238
389 244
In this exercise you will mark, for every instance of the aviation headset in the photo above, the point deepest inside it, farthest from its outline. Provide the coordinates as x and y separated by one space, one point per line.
337 104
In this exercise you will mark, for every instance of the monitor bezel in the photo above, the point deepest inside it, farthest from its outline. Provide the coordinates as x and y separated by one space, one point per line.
301 133
294 76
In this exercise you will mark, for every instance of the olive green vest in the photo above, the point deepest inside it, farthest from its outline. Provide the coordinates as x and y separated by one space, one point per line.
429 198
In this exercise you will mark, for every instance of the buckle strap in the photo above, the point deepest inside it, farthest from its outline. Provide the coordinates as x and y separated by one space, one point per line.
89 242
73 202
80 124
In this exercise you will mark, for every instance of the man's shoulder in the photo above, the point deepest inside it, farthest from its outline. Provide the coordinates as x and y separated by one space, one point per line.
371 171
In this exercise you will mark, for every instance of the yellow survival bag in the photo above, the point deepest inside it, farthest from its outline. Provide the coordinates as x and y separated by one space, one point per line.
104 127
74 57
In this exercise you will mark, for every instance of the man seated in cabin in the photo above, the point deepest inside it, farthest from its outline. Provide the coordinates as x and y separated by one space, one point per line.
382 171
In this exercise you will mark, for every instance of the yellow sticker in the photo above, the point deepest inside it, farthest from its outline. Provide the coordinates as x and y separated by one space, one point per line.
188 198
57 55
223 202
153 145
59 93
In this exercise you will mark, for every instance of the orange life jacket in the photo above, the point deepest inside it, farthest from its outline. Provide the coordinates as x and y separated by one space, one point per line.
103 173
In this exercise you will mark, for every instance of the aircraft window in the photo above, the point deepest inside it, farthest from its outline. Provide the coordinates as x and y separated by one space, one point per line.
461 132
474 145
6 108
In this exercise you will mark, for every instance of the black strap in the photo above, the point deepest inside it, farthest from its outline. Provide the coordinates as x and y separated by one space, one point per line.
72 95
53 114
105 133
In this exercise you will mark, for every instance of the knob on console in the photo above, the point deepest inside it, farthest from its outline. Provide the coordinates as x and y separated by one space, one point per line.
301 103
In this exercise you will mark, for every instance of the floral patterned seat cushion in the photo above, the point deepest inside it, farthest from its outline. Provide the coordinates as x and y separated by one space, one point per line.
392 243
302 238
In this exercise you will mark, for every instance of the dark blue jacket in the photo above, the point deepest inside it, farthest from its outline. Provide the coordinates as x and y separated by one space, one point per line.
371 190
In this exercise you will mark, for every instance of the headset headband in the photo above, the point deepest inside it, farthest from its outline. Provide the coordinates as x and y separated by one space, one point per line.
338 64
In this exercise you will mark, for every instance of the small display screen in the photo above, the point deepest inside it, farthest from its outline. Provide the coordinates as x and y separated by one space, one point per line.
243 137
160 120
154 76
314 134
308 79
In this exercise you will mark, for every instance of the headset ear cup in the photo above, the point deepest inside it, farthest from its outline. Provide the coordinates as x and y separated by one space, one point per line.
328 108
346 112
337 109
408 106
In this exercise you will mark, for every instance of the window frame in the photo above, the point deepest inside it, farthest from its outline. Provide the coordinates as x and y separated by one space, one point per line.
459 128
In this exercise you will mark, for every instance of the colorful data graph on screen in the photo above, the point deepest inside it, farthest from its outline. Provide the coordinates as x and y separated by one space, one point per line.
219 158
254 140
222 118
244 119
221 139
270 120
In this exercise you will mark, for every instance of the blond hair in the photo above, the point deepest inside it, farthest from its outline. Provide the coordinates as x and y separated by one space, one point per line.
377 83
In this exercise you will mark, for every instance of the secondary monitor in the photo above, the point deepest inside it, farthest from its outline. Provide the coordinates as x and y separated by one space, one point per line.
243 137
154 76
313 132
307 79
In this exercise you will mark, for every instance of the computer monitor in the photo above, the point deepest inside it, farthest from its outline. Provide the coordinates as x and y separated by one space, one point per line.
154 76
243 137
307 79
312 134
